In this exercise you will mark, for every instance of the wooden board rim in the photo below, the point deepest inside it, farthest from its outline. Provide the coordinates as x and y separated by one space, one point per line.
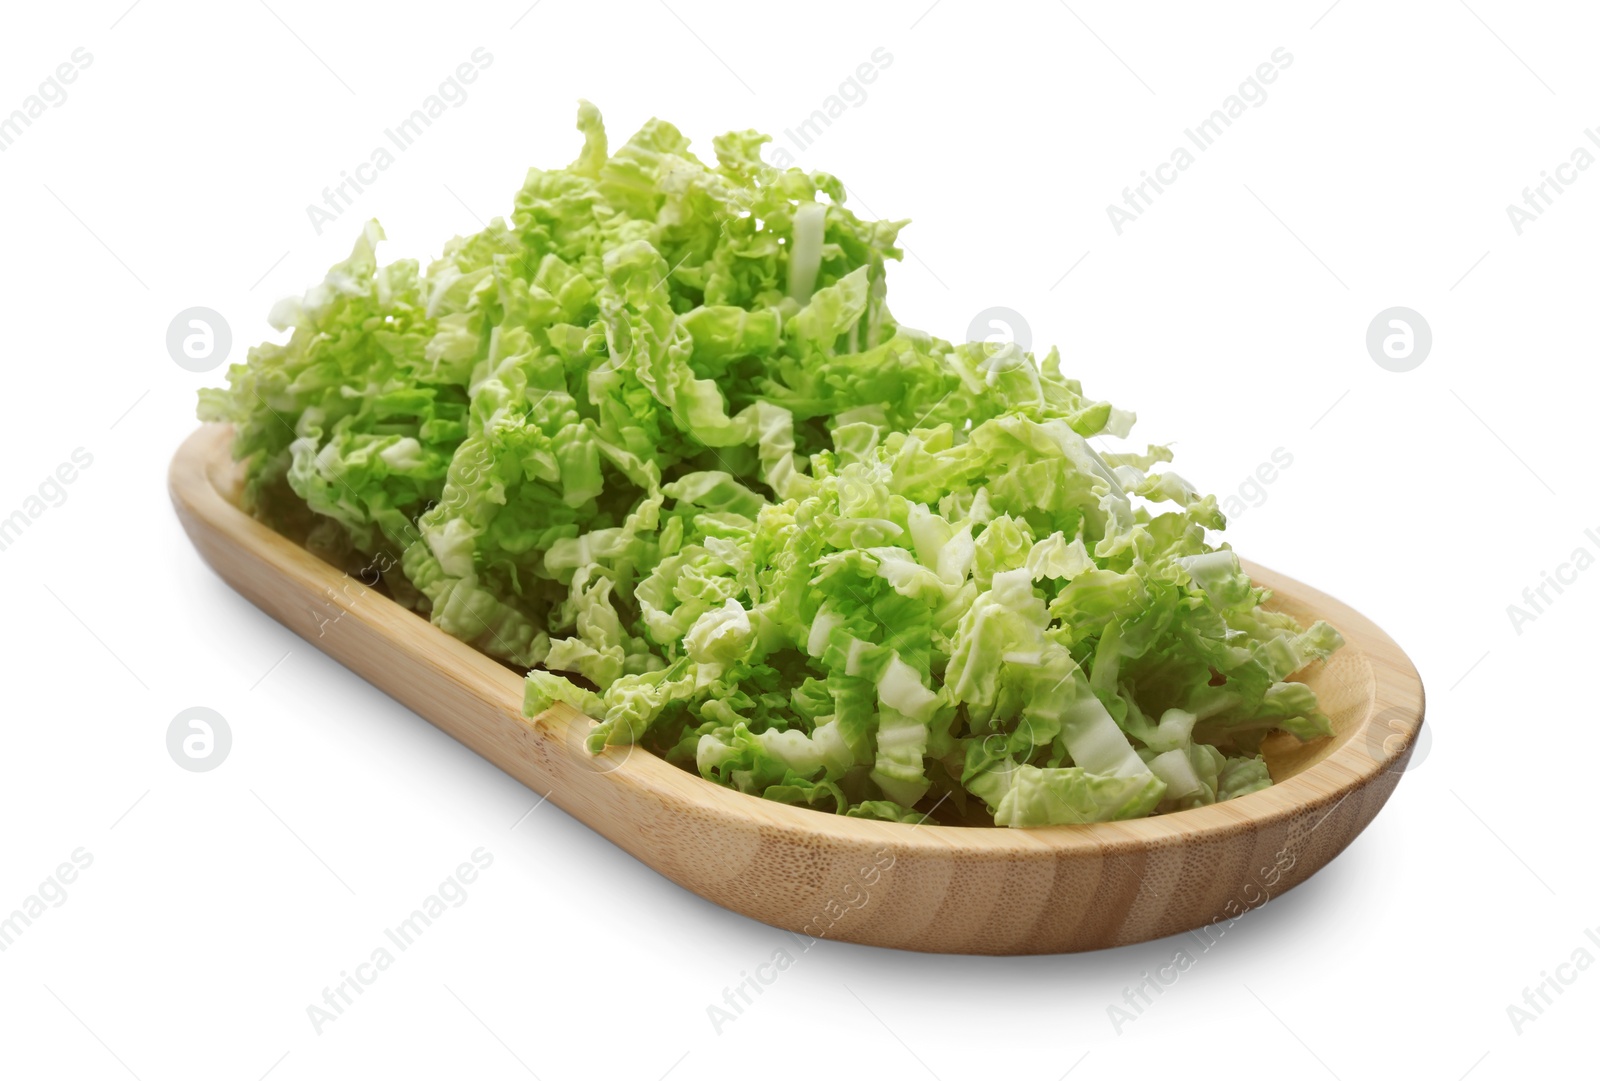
1398 700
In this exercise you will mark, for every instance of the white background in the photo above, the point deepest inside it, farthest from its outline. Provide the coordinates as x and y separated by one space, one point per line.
1231 315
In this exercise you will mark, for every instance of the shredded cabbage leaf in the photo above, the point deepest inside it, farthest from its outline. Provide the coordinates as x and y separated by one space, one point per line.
657 440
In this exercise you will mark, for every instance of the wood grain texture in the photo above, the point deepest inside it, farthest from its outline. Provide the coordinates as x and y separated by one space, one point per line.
934 888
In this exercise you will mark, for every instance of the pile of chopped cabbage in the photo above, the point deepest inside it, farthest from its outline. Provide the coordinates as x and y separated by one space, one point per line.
658 441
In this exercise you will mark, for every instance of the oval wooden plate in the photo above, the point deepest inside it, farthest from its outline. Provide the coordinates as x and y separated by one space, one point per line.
936 888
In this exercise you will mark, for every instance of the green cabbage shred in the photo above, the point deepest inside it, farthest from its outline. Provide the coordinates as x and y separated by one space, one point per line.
657 441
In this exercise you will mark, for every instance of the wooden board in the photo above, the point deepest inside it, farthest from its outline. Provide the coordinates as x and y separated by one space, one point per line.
929 887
